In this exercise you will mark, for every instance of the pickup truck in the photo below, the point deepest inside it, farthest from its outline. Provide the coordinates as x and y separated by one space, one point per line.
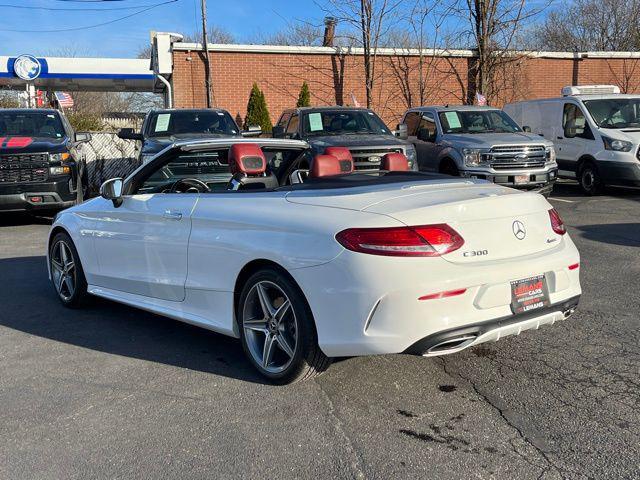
482 143
42 167
162 128
358 129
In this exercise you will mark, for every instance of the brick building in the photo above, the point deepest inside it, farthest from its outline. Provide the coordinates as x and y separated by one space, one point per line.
335 76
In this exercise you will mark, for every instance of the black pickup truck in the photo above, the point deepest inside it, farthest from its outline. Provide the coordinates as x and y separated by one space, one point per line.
359 129
162 128
42 168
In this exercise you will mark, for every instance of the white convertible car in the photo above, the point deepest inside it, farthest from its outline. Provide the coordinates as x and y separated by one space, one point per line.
303 260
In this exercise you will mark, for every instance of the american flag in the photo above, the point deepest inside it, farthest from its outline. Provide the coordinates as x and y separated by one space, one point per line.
64 99
481 99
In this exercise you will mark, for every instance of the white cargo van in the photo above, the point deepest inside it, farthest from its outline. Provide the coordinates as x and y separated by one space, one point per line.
596 132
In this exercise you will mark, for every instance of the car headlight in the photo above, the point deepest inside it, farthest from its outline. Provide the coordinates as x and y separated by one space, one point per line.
617 145
412 157
59 157
550 154
472 157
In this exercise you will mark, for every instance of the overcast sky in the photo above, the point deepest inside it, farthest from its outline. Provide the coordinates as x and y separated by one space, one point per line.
42 32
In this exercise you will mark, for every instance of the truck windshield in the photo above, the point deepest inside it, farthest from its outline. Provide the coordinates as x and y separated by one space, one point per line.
165 124
31 124
477 121
343 122
615 112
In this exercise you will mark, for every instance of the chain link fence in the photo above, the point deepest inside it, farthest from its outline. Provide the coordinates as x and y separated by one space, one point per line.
108 156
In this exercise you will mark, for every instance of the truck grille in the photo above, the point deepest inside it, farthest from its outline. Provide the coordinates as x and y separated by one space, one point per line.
506 157
199 164
25 167
369 159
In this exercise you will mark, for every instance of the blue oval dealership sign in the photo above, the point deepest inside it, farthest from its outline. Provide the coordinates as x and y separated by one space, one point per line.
27 67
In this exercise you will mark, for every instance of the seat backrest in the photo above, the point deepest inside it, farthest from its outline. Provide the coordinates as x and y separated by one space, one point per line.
344 157
248 166
324 166
394 162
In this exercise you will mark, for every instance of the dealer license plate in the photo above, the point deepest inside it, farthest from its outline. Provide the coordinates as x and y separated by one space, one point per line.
529 294
521 179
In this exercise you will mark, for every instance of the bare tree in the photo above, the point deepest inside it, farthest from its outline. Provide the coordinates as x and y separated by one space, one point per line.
588 25
493 28
295 33
370 21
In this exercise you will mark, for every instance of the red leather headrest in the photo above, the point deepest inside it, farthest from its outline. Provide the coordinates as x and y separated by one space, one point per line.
394 162
247 158
344 157
324 166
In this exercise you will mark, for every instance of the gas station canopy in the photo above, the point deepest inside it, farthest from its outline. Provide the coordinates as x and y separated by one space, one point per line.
73 74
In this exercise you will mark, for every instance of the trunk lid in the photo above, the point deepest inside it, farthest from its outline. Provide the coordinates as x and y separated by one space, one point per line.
485 215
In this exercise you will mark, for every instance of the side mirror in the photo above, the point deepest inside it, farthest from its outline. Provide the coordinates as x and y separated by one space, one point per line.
129 134
526 129
403 131
426 136
112 190
83 137
252 131
278 131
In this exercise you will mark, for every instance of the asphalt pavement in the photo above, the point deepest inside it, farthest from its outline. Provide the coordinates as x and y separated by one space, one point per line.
114 392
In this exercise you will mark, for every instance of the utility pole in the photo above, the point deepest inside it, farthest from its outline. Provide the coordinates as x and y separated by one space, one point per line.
205 44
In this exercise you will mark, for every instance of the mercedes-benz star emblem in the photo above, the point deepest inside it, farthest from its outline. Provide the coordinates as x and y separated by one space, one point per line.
518 230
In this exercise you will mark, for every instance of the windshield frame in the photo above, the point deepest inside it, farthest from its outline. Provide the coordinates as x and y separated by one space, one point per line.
59 128
464 129
590 103
153 119
371 120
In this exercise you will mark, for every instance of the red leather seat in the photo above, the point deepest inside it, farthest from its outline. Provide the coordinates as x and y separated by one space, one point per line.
324 166
248 166
394 162
247 158
344 157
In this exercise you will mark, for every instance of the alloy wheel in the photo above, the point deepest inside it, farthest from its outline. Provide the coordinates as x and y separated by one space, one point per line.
63 270
270 326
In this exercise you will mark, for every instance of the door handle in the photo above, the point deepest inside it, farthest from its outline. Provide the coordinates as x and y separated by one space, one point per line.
560 138
172 215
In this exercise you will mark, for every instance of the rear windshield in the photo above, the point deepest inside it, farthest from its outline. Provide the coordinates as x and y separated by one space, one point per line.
615 112
341 122
31 124
164 124
477 121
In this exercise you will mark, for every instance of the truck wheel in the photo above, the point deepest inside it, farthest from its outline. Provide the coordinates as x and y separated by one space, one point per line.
590 179
449 168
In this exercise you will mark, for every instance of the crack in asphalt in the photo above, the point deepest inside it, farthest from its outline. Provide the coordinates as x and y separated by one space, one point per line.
543 454
358 473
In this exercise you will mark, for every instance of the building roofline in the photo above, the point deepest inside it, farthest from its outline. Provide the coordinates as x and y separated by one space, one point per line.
438 52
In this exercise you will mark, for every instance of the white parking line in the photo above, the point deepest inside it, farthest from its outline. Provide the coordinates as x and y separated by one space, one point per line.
562 200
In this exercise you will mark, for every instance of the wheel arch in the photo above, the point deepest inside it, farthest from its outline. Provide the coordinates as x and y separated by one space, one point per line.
584 159
54 231
248 270
447 159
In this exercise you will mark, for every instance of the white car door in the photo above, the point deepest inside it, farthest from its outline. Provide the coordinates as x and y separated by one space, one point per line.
142 244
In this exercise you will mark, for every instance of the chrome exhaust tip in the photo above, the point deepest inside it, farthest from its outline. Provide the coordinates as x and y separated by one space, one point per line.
451 345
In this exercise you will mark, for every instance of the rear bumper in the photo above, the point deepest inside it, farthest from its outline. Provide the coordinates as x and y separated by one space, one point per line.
457 339
53 195
365 304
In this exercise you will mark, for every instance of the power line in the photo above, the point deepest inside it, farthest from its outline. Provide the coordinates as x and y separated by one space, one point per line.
73 29
77 9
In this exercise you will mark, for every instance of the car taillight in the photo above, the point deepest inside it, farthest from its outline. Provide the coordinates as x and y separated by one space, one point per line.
556 222
420 241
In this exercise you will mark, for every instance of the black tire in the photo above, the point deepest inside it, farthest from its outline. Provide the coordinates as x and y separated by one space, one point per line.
307 360
590 179
448 167
79 296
